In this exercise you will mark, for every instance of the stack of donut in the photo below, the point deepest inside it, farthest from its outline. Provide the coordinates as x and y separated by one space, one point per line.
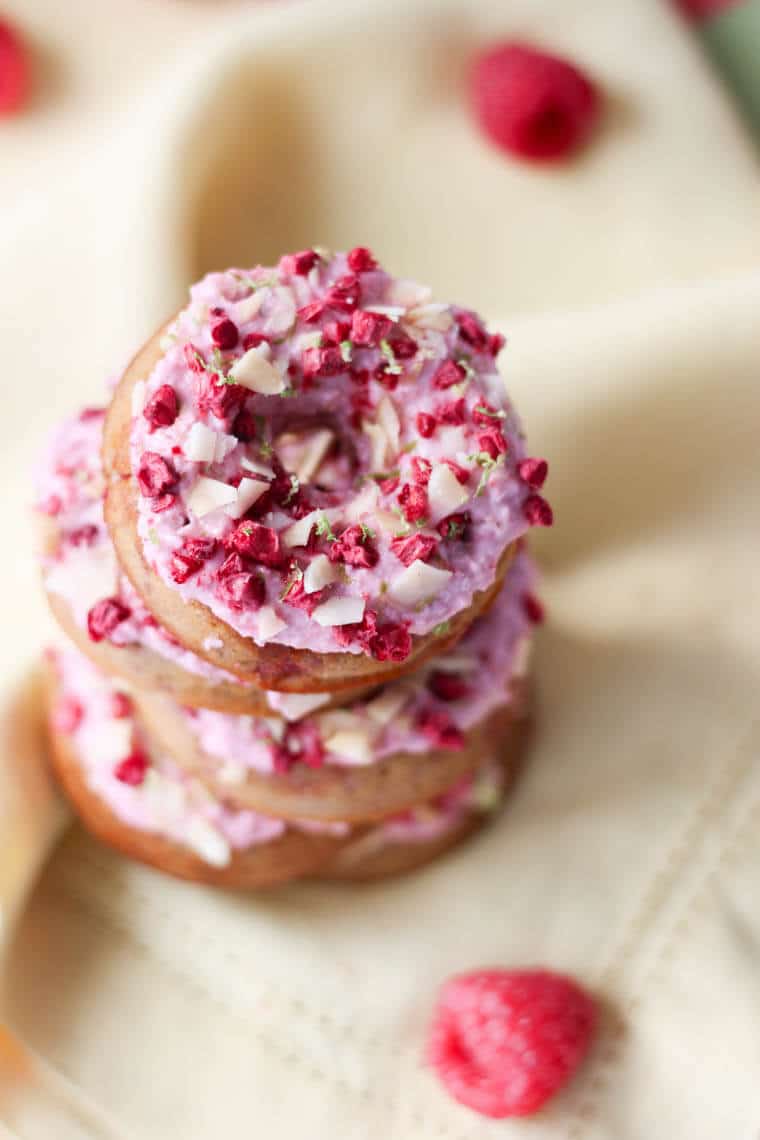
289 564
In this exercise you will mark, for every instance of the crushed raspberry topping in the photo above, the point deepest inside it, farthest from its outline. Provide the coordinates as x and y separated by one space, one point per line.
533 472
532 104
105 616
537 511
503 1042
162 408
132 769
534 608
448 686
326 392
67 715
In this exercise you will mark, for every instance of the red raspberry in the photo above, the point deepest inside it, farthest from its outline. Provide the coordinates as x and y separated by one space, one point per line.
354 547
224 332
161 409
189 558
447 686
537 511
531 104
533 472
299 264
132 769
422 469
447 374
492 442
440 730
105 616
504 1041
368 329
533 608
14 70
155 476
413 501
242 591
413 547
426 424
255 541
322 362
360 260
67 715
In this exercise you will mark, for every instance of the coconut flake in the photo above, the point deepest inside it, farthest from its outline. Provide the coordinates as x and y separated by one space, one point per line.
418 584
319 573
269 624
200 444
522 657
294 706
385 708
209 495
339 611
282 315
256 467
363 504
316 448
206 841
445 493
224 445
254 371
395 312
297 534
248 308
352 744
387 417
378 441
408 293
436 317
248 492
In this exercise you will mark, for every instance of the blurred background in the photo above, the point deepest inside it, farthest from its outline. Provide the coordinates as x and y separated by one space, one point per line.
144 142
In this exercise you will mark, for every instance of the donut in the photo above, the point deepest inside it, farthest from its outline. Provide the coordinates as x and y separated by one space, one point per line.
379 755
145 807
315 478
81 575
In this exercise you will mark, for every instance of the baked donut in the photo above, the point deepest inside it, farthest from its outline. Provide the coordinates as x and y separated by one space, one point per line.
402 746
315 479
97 607
147 808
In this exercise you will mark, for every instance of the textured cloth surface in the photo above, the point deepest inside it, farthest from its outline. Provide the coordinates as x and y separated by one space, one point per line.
178 137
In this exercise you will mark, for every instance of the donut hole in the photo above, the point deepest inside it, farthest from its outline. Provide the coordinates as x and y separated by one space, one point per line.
319 455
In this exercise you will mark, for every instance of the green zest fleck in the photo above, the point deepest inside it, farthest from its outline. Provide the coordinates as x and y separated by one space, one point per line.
442 628
487 463
366 532
296 574
383 587
153 535
295 487
381 476
248 529
500 415
265 446
324 530
346 349
408 447
469 371
253 285
454 529
392 366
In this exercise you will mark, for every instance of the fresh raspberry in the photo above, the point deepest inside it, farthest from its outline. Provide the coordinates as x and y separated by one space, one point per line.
413 548
131 770
532 104
504 1041
161 409
105 616
454 412
14 70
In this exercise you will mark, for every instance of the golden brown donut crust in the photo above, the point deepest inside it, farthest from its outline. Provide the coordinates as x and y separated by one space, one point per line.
332 792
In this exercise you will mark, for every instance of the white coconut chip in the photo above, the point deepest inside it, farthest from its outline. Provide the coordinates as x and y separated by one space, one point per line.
418 584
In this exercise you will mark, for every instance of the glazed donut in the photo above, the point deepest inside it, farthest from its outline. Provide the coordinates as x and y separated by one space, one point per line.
82 581
148 809
380 755
315 479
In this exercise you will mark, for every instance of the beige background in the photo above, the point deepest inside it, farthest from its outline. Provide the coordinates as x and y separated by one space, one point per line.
175 136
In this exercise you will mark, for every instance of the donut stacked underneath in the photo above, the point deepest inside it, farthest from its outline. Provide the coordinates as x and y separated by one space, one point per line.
289 563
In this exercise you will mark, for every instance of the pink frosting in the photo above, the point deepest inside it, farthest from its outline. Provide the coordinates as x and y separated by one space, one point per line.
492 653
94 712
371 394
